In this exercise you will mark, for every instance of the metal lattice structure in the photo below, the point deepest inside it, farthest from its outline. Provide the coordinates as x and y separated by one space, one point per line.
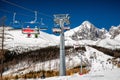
2 25
61 19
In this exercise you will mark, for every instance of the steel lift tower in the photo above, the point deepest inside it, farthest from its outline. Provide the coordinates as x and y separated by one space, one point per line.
61 20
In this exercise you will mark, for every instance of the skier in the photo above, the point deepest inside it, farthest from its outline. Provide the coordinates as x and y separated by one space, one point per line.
29 34
36 32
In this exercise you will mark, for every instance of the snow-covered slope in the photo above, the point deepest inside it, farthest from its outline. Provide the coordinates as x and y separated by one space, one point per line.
100 67
107 75
114 31
21 41
85 34
72 60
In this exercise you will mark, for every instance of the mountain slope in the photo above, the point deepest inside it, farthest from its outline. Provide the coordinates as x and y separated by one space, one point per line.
85 34
95 61
86 31
114 31
20 40
88 34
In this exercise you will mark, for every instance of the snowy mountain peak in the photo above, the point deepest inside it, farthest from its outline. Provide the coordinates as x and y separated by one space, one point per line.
114 31
86 22
87 25
86 31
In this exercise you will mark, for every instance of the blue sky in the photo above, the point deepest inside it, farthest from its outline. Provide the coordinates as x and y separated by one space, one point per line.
101 13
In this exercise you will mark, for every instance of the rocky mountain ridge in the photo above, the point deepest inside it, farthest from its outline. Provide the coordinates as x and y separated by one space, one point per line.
87 31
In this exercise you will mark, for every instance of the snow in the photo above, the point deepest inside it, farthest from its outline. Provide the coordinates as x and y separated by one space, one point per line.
106 43
72 31
23 42
86 24
117 38
102 75
109 43
114 27
100 69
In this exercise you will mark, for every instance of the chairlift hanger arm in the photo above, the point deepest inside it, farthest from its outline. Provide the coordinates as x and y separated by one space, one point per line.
35 19
35 16
14 15
14 18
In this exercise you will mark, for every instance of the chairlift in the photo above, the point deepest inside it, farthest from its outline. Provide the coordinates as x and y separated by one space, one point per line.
33 27
56 29
66 26
31 22
42 25
35 19
15 23
30 28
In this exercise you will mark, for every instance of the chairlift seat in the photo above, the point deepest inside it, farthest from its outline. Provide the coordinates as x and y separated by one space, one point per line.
66 28
56 30
27 30
43 28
